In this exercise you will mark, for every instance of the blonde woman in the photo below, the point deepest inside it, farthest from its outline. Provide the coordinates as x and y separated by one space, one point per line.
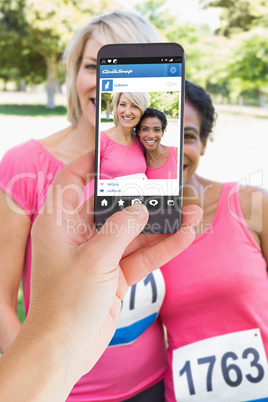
121 152
26 173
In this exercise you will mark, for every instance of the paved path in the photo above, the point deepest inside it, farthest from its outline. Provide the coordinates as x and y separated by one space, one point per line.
239 151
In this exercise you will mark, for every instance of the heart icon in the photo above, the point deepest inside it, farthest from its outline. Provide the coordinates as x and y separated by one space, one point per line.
109 60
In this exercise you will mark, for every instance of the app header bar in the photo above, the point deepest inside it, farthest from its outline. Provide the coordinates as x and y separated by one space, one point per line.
141 70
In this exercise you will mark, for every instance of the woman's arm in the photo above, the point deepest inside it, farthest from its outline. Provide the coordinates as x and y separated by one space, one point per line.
264 229
14 232
254 205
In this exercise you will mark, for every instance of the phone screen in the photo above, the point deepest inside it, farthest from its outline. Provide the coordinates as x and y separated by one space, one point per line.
140 100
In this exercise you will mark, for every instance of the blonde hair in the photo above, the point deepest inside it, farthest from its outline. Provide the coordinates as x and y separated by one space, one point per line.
140 99
113 27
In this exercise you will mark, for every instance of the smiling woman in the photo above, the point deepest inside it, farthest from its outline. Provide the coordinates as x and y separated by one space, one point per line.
161 160
86 81
121 153
221 309
119 375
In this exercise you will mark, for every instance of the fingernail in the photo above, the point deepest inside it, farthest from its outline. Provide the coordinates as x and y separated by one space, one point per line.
139 209
198 216
200 212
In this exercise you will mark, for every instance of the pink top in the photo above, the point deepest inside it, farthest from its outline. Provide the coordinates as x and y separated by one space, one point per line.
168 170
137 358
120 160
218 286
26 173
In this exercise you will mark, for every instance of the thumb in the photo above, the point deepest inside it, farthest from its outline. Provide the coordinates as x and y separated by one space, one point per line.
119 231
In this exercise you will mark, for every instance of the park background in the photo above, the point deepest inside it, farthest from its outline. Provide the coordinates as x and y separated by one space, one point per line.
226 47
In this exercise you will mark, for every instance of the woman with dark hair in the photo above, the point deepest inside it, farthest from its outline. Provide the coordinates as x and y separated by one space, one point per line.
161 160
216 303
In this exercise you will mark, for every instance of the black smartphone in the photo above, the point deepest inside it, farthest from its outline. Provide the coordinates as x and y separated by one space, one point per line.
139 132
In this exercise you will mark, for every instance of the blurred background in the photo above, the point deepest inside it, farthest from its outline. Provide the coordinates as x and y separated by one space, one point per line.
226 47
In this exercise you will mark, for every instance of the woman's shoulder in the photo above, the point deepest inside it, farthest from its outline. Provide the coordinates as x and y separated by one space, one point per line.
252 198
19 171
29 156
109 133
246 192
254 206
174 151
105 140
65 145
21 153
61 145
107 137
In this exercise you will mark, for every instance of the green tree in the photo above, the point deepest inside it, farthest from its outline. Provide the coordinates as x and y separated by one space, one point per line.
166 102
156 12
106 103
240 15
248 68
204 52
206 55
16 61
245 23
50 25
37 32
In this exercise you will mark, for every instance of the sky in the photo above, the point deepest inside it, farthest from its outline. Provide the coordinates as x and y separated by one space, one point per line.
189 11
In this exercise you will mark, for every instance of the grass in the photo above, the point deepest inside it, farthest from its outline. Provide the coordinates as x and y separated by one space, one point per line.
31 110
35 110
107 120
20 306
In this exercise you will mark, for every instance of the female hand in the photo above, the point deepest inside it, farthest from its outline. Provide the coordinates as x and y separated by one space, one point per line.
79 277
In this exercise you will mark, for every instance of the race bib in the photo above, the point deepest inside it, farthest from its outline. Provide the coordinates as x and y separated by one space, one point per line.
230 367
140 308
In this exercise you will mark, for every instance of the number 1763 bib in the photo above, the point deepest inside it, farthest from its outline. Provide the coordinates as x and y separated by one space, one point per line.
230 367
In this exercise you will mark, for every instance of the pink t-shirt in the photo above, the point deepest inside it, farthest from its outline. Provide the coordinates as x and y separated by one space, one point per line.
168 170
217 287
136 358
26 173
120 160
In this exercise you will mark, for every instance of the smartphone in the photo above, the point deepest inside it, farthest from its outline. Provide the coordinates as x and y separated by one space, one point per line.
139 132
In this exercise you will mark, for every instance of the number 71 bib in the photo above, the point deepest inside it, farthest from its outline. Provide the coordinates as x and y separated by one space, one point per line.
230 367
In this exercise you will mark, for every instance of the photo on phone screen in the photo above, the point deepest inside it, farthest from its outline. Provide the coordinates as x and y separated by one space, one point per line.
139 130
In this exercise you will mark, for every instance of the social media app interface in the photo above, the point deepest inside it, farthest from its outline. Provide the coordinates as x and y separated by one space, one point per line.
160 80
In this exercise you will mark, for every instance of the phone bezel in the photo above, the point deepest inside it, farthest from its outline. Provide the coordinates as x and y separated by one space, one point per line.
157 223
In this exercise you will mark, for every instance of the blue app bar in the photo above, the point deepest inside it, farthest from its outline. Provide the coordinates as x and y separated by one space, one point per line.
141 70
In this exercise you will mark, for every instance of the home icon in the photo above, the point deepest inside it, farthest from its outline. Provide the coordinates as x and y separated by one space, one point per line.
104 203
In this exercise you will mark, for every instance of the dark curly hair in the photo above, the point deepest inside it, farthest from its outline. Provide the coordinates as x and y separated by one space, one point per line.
202 102
150 112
